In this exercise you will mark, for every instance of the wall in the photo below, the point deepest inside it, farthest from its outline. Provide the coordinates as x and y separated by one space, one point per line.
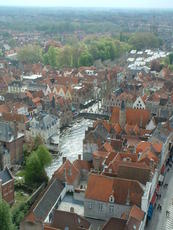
8 191
15 149
102 210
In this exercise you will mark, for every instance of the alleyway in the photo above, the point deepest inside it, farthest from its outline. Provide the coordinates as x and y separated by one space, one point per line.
159 220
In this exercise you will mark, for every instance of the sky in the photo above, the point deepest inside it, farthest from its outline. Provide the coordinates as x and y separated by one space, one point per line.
92 3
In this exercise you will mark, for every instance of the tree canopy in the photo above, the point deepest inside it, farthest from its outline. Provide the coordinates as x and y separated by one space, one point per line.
30 54
5 216
143 40
35 166
85 53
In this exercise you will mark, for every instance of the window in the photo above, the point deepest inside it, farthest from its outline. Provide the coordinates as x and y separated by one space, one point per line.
90 205
111 208
111 199
100 207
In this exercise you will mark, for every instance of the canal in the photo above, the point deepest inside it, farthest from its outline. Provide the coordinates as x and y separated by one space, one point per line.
71 143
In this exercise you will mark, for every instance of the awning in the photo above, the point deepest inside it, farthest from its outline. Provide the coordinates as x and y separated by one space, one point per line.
161 178
150 211
153 200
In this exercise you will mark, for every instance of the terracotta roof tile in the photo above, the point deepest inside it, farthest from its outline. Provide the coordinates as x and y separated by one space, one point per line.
82 164
4 108
138 117
107 146
117 128
102 187
67 172
136 213
142 146
100 154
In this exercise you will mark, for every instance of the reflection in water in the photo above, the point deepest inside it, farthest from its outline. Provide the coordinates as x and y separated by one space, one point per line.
71 143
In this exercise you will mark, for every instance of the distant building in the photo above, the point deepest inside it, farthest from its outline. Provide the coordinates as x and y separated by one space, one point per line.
47 126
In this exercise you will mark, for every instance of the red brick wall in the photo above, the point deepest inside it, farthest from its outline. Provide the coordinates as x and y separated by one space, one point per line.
8 192
16 150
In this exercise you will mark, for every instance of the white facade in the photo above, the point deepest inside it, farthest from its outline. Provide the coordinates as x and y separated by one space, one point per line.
139 104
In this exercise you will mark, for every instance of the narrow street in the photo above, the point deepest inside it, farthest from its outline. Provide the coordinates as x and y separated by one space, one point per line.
159 219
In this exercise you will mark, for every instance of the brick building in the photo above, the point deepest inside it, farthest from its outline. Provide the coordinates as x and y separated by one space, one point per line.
7 186
11 142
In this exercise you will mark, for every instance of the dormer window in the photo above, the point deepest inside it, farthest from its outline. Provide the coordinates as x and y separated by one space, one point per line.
111 199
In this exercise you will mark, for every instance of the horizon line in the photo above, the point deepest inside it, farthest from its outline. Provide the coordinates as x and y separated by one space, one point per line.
90 7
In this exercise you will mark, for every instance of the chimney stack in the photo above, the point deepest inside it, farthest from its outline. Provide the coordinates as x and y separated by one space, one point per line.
79 156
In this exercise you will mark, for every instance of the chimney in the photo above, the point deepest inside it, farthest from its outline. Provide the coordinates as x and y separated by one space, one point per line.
79 156
72 209
64 160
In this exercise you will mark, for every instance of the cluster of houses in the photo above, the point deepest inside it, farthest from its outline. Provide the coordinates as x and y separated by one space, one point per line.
38 100
116 182
114 185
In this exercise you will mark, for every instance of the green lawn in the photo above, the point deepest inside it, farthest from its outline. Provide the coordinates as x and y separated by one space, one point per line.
20 198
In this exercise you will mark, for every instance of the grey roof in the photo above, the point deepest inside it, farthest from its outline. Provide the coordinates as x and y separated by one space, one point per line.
48 199
164 113
6 132
16 84
160 134
35 86
45 121
5 175
101 132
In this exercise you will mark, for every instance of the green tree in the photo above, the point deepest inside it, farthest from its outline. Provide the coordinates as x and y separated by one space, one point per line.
170 58
34 172
37 142
44 156
30 54
144 40
85 58
5 216
51 57
35 166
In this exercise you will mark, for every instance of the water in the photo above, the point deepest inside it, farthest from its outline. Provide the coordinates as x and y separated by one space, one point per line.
71 144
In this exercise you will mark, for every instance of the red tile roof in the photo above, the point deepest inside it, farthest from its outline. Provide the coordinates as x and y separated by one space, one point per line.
107 146
67 172
101 187
4 108
138 117
136 213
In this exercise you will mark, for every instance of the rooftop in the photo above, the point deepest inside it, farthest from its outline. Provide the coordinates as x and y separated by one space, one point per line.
69 202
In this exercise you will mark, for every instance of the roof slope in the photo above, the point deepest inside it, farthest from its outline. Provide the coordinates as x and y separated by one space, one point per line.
48 199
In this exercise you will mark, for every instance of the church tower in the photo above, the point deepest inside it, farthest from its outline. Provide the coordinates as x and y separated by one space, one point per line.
122 115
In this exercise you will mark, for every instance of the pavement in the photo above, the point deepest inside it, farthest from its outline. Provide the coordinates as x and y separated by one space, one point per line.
159 220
